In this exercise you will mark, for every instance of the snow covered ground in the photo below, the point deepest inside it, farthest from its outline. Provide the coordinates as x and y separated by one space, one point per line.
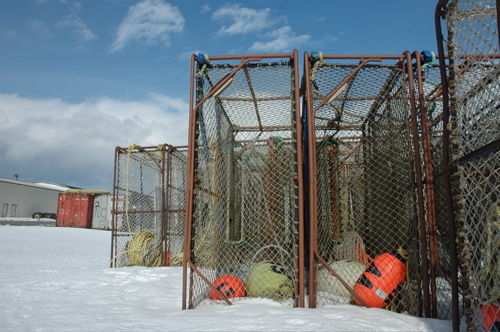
57 279
17 221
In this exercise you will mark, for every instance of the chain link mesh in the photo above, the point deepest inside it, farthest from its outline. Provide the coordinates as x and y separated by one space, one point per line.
245 198
472 46
366 204
148 213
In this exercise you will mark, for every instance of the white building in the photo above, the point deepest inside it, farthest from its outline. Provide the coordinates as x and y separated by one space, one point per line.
23 199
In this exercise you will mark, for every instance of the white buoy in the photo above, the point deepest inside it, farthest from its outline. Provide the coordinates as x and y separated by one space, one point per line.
349 271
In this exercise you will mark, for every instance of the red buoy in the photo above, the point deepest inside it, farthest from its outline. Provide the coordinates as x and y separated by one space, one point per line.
380 279
229 285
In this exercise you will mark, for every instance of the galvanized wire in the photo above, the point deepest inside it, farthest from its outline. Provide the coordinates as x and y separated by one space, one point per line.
245 197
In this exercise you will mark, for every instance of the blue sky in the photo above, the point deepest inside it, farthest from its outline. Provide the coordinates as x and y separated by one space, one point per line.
80 77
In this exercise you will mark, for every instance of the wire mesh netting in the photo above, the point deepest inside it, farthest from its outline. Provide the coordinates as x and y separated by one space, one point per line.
148 206
365 213
245 217
473 48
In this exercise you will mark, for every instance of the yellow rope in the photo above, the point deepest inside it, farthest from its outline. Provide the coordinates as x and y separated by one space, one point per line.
143 249
318 63
176 260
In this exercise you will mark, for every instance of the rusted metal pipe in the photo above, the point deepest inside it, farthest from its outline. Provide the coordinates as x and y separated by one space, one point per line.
299 180
220 85
250 56
342 85
362 57
429 184
114 208
313 233
342 281
189 187
455 317
418 183
205 279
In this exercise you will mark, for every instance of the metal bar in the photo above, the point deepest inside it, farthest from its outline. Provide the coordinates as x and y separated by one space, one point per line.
362 57
364 98
455 316
429 185
312 163
338 89
221 83
254 99
217 99
392 57
262 128
384 92
487 149
249 56
252 92
166 206
189 187
300 179
113 216
176 210
342 281
139 211
418 182
205 279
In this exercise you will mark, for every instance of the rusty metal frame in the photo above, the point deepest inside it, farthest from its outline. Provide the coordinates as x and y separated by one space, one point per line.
419 186
164 168
429 184
405 61
188 266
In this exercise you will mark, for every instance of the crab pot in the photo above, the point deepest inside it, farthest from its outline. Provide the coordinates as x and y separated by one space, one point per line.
148 205
471 144
368 240
244 220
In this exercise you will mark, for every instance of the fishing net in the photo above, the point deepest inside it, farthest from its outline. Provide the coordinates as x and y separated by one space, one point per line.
148 205
245 216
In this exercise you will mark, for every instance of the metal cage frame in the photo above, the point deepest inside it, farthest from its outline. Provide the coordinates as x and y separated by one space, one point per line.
170 165
194 275
425 253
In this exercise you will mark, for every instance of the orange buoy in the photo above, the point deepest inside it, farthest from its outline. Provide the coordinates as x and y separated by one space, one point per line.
229 285
491 316
380 279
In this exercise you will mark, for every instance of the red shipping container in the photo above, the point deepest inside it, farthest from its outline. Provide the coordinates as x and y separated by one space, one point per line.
75 210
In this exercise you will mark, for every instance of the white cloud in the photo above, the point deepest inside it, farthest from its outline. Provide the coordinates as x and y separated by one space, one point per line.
79 27
151 21
205 8
50 138
242 19
283 39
